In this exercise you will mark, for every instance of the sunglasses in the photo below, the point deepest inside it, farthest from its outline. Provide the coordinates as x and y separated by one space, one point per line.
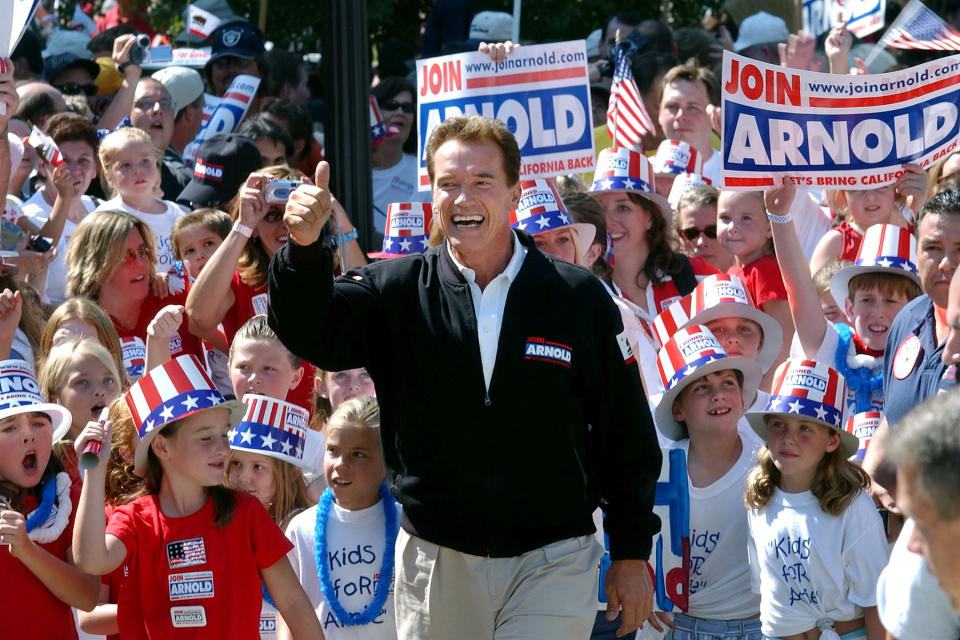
133 257
692 233
73 89
147 104
393 105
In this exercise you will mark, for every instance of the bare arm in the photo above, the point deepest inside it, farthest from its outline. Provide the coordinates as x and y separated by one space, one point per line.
779 310
802 295
163 325
62 182
827 251
299 619
122 102
354 254
102 621
10 101
871 619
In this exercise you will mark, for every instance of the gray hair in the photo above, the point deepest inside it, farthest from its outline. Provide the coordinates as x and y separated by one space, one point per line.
928 440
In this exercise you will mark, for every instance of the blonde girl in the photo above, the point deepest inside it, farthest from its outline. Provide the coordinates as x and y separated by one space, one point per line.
817 544
131 168
82 318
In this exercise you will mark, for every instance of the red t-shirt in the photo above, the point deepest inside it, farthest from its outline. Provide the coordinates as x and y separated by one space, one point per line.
189 579
133 341
852 239
248 303
762 279
27 607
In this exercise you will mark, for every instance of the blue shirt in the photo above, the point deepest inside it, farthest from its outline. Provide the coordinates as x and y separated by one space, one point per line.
923 379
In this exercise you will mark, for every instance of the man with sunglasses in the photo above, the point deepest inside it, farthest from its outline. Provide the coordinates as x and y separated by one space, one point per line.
696 223
71 74
236 48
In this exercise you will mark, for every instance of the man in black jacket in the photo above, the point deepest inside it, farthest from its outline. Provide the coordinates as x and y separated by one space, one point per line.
511 404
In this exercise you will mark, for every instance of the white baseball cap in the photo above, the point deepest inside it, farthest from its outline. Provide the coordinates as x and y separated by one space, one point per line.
760 28
491 26
184 85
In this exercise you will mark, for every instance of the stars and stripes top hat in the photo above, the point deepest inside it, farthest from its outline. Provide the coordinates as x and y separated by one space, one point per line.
886 248
408 230
720 295
540 208
20 393
677 157
811 391
378 130
690 354
273 428
620 169
863 425
176 389
684 183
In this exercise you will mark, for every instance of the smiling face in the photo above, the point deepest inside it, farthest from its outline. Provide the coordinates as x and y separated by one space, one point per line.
87 387
262 367
133 171
272 231
197 244
199 450
26 440
472 200
938 253
873 313
742 225
797 446
627 222
872 206
254 474
397 117
353 465
738 336
129 278
710 405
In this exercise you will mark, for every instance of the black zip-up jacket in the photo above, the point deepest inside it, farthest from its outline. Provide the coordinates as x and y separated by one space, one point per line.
564 426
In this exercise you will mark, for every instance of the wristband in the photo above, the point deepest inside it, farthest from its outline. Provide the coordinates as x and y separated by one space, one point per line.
779 219
344 238
123 66
242 229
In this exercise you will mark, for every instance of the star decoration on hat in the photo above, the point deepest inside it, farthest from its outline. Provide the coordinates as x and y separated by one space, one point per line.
232 433
884 262
405 245
522 226
821 413
214 399
775 404
167 413
629 184
795 406
543 221
300 450
426 243
387 243
189 403
246 437
606 183
563 218
286 447
268 441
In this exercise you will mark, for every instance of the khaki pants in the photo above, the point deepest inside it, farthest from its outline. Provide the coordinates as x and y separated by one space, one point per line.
545 594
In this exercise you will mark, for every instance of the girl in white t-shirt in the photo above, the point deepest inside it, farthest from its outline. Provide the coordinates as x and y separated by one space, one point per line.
131 166
817 543
353 530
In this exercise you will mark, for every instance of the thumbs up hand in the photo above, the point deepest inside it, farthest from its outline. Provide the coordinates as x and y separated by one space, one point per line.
309 207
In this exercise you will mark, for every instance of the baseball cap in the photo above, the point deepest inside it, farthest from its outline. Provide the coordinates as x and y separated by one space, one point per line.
223 163
184 85
760 28
57 64
240 39
491 26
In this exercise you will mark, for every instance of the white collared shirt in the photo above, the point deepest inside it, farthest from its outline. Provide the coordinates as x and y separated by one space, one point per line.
489 303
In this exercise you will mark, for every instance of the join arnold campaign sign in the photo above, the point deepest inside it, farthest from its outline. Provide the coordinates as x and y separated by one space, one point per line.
830 131
542 93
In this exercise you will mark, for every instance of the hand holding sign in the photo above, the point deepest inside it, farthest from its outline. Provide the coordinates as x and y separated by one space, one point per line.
9 100
913 185
308 208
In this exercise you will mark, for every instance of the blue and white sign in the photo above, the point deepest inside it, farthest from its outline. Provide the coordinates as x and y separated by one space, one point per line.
224 114
863 17
541 92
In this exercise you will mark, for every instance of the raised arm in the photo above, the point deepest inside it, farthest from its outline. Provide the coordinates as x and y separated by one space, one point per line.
808 319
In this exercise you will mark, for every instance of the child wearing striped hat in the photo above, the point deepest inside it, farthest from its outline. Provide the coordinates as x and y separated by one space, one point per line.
197 551
817 545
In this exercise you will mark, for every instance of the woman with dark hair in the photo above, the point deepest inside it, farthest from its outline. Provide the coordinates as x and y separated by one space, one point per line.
394 160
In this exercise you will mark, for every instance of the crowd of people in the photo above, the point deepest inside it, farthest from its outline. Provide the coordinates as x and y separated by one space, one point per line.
220 416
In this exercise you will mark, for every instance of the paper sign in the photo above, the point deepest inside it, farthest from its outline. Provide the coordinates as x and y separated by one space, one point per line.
14 18
224 114
671 547
182 57
863 17
829 131
541 92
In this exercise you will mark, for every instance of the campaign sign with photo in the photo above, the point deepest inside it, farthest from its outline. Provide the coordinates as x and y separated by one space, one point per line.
541 92
835 132
863 17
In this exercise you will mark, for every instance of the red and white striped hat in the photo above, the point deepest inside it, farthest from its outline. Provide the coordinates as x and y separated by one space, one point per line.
863 425
688 355
676 156
684 183
625 170
408 229
720 296
811 391
540 208
176 389
886 248
274 428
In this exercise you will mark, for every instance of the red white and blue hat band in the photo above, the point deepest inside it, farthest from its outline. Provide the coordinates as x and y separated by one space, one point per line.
539 208
272 428
863 425
676 156
620 169
407 231
885 248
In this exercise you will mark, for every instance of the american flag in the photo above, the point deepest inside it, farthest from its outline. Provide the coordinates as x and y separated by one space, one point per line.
917 27
186 553
627 118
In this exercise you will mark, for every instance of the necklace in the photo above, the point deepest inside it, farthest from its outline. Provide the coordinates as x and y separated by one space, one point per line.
370 613
859 379
50 518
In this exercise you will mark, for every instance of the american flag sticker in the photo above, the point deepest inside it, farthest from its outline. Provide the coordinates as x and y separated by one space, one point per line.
186 553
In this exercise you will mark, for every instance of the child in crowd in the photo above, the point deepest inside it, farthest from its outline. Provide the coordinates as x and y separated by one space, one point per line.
59 206
82 318
332 388
131 166
82 376
37 499
356 514
744 231
216 544
696 225
880 282
831 309
701 411
894 204
817 544
259 363
268 450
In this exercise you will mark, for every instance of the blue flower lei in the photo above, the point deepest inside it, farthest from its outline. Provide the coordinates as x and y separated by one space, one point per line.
859 379
43 511
391 528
